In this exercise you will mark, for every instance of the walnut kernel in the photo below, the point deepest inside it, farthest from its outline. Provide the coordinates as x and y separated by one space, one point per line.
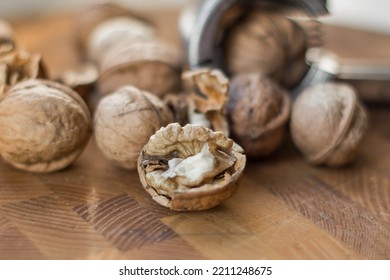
191 167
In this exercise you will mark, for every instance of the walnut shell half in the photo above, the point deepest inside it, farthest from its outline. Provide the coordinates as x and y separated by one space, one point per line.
191 167
44 126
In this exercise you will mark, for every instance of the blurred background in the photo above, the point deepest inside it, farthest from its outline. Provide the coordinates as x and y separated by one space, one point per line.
370 15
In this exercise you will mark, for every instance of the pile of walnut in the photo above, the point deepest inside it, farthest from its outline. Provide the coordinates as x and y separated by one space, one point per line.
173 126
265 54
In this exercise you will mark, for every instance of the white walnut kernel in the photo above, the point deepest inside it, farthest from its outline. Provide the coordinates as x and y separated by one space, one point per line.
328 123
44 126
219 165
124 121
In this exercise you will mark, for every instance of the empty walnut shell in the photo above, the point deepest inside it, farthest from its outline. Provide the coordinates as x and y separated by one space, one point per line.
44 126
328 123
124 121
267 42
258 112
191 167
150 65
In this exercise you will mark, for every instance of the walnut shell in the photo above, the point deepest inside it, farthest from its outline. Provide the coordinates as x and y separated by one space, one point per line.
7 43
212 165
328 123
124 121
150 65
269 43
258 112
19 66
207 95
44 126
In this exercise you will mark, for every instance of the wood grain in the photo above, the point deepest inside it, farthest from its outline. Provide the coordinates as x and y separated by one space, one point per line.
283 209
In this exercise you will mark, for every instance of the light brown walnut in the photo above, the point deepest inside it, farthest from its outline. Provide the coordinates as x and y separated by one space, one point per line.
94 15
44 126
150 65
258 112
328 123
267 42
124 121
190 168
7 42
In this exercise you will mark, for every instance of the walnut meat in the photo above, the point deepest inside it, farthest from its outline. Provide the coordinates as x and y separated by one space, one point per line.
44 126
150 65
328 123
124 121
191 167
270 43
258 111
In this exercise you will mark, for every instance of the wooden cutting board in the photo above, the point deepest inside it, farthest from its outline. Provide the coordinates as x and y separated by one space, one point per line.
283 209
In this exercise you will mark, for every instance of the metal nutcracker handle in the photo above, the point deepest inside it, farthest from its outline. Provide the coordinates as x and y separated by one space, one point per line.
200 31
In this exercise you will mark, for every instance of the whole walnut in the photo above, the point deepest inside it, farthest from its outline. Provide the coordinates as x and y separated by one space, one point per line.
124 121
269 43
258 111
190 168
328 123
115 32
96 14
150 65
44 126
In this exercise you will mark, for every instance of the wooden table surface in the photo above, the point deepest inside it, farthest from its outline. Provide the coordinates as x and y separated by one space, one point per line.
283 209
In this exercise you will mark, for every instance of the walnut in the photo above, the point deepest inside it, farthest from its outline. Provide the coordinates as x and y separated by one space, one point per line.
328 123
270 43
207 96
124 121
191 167
116 32
18 66
178 105
94 15
258 111
44 126
151 65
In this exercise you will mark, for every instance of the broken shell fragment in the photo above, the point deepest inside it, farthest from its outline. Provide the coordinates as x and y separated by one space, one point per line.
207 97
191 167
